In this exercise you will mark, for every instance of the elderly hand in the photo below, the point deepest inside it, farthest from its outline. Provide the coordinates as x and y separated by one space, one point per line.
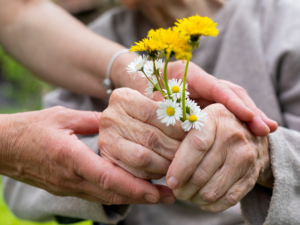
217 166
131 136
41 149
206 89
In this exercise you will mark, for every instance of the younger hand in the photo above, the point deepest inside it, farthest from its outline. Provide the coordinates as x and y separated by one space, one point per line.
206 89
40 148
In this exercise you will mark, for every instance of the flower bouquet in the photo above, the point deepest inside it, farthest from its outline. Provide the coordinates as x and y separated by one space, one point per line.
179 42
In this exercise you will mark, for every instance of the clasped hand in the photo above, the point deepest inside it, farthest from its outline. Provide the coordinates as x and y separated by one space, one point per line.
214 167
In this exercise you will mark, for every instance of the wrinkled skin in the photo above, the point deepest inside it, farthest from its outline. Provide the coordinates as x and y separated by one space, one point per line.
41 149
223 161
146 147
217 166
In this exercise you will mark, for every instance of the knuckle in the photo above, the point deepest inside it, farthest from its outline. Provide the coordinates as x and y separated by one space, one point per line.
149 112
199 178
59 110
232 198
238 88
116 199
249 156
222 110
198 142
116 95
142 158
104 180
149 138
209 197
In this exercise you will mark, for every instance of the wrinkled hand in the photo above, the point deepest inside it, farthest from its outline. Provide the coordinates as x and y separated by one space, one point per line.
131 136
41 149
206 89
217 166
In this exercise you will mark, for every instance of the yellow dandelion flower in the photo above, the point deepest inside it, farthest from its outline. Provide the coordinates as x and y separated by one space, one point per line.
173 42
150 45
195 26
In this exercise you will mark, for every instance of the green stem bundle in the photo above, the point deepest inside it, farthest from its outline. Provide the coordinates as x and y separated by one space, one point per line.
166 79
183 91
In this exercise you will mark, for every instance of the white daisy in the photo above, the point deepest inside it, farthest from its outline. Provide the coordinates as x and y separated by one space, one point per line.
169 112
148 68
151 88
176 88
194 120
191 106
137 65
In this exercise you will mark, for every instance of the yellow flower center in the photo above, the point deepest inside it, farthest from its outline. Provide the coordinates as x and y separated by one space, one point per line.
193 118
175 89
170 111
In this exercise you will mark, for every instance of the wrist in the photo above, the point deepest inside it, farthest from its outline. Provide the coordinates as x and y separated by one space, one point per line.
120 76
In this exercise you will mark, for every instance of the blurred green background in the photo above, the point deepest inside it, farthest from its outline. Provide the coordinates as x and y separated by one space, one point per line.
20 91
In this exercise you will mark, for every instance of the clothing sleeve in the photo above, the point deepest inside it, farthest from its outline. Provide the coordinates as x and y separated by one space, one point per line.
31 203
281 205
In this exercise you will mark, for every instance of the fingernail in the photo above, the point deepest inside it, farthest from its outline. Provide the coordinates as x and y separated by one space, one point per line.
150 198
172 182
168 200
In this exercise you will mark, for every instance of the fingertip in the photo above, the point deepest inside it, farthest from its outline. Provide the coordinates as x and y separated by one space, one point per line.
258 127
272 124
172 183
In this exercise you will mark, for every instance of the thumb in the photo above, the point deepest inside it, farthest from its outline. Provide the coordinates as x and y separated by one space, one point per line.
108 177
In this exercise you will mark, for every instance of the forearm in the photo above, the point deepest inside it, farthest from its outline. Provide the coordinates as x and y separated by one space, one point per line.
9 162
57 48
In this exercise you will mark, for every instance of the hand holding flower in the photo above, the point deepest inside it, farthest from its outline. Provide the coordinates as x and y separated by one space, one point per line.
133 138
217 167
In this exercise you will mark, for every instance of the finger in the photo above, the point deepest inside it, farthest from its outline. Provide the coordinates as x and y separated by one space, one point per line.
273 125
211 162
112 198
238 191
145 135
81 122
221 181
108 177
167 196
139 157
191 151
214 90
143 109
257 125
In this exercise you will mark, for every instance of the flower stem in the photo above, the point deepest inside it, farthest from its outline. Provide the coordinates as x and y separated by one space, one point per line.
183 91
160 90
166 79
155 72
